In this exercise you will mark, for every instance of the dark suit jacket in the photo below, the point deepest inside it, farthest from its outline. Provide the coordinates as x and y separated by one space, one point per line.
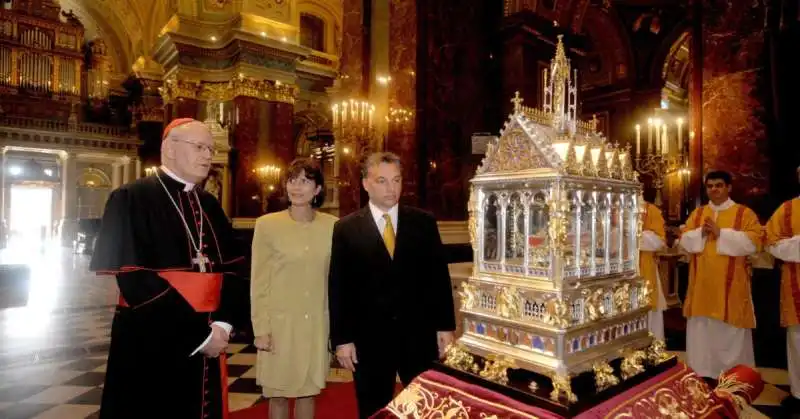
368 290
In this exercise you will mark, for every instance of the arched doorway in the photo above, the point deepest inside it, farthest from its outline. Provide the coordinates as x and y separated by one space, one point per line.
314 138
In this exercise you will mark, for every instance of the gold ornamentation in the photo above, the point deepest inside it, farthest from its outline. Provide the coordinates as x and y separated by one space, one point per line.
557 313
218 4
632 364
472 224
456 356
557 229
562 386
656 353
513 152
593 305
604 376
622 298
495 368
173 89
508 302
517 101
572 166
680 395
216 92
469 295
416 401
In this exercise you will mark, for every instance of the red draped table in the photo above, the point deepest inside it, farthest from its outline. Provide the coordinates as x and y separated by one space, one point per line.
675 393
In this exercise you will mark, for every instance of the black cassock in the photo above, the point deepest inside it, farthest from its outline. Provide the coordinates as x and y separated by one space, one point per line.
151 372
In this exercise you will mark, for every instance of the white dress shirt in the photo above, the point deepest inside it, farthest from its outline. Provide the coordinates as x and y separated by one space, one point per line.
377 215
227 327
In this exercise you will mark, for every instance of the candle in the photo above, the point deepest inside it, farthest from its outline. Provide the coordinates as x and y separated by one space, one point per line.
638 140
680 135
650 135
665 139
220 110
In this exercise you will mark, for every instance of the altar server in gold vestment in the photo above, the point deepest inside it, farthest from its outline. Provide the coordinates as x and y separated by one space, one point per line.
289 300
719 305
653 240
783 242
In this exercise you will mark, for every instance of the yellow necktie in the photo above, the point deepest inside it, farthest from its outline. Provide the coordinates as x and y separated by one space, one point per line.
388 235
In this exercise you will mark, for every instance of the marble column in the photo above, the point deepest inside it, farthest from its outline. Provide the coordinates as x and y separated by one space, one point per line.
69 198
116 175
452 104
138 165
402 65
735 103
126 170
354 83
246 135
3 221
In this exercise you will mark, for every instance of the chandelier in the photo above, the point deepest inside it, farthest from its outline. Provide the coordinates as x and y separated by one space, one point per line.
268 177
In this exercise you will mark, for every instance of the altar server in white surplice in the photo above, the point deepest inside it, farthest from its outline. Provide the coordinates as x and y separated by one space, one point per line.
719 305
783 242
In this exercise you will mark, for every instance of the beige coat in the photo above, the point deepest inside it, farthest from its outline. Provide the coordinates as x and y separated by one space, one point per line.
289 299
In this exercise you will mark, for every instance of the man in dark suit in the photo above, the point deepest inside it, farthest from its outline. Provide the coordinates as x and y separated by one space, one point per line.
389 291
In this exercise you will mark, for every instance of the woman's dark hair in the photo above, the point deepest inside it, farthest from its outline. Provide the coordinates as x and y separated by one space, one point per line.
312 172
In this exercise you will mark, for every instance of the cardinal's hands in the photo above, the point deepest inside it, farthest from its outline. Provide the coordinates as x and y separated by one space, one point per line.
346 355
264 343
443 340
218 342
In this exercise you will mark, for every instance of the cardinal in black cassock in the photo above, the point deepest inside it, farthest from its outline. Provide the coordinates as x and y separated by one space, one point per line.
169 244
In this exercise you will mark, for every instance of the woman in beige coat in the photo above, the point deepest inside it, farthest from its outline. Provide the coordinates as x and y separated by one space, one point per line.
288 292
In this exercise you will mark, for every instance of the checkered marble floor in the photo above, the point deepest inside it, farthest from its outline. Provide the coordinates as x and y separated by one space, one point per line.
64 381
53 352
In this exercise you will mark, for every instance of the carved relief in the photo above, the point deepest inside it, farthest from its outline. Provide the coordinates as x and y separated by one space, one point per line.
273 9
512 152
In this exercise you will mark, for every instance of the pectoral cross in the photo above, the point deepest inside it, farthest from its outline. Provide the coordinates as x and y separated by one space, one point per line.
201 261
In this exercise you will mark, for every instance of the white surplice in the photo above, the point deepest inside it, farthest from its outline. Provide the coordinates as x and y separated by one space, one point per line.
713 346
788 250
652 243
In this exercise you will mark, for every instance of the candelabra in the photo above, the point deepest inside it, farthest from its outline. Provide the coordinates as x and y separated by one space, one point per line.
353 130
268 178
661 153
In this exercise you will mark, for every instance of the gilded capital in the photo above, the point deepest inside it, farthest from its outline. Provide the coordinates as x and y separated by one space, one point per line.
173 89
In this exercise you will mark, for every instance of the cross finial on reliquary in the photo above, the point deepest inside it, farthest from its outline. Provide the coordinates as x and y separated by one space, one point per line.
517 101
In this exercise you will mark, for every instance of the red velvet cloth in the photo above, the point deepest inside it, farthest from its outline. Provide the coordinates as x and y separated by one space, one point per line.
675 393
437 395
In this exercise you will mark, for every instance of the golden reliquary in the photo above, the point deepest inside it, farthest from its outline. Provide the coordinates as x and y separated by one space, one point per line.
555 226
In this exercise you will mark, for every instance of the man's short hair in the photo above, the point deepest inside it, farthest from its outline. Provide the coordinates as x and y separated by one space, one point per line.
375 159
719 175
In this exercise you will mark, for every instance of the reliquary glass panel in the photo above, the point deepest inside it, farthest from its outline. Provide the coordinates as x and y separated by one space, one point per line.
538 241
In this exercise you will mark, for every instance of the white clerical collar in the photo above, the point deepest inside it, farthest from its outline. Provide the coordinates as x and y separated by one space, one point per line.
188 185
723 206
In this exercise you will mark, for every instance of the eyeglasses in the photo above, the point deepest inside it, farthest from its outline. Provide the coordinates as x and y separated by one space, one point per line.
198 147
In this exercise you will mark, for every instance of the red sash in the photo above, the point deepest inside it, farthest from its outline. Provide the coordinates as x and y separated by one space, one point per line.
201 290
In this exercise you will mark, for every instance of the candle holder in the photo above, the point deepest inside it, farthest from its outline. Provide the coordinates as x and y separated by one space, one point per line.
353 130
661 153
268 178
